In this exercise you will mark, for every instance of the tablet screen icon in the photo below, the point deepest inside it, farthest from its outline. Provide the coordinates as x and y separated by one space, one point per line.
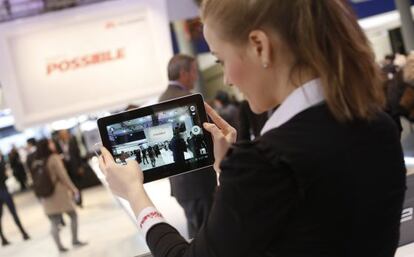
196 130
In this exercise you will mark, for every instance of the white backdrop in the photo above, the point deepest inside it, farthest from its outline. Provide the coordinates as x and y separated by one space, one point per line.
161 133
84 59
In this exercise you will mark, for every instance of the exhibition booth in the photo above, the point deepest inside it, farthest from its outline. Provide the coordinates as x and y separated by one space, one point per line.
79 64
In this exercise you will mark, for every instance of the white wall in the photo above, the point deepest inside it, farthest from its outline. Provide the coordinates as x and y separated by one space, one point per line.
42 66
376 29
182 9
381 43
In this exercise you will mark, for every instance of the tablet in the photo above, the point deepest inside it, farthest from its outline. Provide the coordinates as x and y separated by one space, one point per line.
166 139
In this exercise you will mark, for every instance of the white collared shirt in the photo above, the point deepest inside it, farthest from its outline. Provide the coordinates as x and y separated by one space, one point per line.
302 98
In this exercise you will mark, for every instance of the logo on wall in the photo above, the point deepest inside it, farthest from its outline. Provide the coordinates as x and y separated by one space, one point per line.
71 64
407 214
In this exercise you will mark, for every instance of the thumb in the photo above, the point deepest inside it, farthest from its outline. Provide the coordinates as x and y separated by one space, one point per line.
102 165
132 163
107 156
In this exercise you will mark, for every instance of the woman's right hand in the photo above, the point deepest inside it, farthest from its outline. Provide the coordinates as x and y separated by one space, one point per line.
223 135
124 180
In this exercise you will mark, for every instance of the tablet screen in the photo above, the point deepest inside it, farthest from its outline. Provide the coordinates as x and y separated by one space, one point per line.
166 139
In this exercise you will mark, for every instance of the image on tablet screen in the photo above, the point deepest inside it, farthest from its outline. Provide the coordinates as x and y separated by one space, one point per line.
167 137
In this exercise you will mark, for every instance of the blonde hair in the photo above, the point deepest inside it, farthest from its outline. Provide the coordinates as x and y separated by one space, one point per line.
323 35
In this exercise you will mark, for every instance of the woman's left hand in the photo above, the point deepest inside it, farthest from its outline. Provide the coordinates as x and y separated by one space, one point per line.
223 135
124 180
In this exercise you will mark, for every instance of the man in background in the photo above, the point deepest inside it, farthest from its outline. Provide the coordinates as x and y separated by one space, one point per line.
193 191
226 109
250 123
31 153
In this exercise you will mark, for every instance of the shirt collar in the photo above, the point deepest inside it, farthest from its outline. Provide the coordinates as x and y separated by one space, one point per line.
302 98
177 84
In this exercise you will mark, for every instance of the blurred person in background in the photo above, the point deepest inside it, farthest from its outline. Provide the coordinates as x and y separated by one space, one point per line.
406 85
400 60
388 66
31 153
399 92
6 198
193 191
68 147
19 172
250 123
226 109
65 192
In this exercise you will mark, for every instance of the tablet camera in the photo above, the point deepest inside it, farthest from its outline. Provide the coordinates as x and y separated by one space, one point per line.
196 130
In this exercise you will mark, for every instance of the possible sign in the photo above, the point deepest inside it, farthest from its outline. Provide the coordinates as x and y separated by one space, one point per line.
84 59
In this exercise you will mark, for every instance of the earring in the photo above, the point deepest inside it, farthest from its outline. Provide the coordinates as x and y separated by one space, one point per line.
265 65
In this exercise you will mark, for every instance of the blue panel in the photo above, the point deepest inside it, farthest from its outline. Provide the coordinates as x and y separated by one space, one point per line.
201 45
366 8
176 50
363 9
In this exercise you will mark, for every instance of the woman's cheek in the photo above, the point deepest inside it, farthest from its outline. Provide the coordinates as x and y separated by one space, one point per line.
235 75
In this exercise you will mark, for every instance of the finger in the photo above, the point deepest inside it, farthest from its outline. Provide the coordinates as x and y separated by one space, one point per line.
213 129
133 162
217 119
102 165
107 156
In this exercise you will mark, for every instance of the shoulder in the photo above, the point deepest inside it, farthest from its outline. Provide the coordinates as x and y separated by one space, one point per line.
316 133
172 92
251 177
318 123
248 162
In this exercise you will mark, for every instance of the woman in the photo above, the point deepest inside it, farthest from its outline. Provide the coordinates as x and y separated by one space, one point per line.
326 177
19 171
6 198
62 199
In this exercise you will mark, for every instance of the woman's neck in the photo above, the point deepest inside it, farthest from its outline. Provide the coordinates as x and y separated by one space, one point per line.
293 82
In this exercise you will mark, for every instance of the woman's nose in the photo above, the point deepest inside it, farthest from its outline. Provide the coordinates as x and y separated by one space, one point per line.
226 80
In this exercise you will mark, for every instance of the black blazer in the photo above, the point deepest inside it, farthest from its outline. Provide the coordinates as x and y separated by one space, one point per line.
313 187
197 184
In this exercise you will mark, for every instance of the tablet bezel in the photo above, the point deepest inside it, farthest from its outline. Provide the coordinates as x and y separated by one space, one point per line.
168 170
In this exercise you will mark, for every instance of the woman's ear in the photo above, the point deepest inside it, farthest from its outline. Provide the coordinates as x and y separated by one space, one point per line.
259 43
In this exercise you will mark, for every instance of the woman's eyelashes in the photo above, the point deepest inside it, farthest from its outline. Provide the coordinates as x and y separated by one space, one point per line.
220 62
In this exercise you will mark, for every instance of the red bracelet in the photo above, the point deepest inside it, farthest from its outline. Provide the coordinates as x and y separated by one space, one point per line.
151 215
